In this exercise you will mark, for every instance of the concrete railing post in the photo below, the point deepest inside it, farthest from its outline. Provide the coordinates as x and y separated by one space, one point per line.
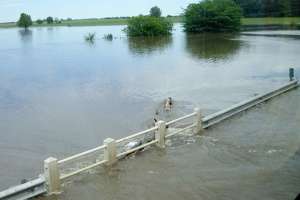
52 176
161 134
199 127
110 151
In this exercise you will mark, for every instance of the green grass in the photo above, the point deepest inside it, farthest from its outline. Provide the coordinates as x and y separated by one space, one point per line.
271 21
75 22
176 19
8 25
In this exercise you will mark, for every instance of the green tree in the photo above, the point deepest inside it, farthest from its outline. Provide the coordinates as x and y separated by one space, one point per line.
284 8
24 21
155 11
39 21
295 7
49 20
212 16
251 8
148 26
57 21
269 8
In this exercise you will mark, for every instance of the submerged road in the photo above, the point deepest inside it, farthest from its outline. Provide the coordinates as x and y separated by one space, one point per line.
255 155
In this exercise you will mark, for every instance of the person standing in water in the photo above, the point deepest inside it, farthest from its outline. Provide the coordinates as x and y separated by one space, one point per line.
168 104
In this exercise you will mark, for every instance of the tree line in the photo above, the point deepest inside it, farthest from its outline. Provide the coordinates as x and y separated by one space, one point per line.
269 8
205 16
26 21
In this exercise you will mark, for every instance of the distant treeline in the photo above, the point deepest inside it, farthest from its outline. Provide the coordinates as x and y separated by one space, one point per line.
270 8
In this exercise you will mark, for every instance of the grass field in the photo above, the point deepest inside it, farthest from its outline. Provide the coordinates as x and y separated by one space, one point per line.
271 21
122 21
75 22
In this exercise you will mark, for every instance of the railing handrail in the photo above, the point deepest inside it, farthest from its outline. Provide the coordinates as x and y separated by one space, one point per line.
181 118
209 117
62 177
137 134
76 156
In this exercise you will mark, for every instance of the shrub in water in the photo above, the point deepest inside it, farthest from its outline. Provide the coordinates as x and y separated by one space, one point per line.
148 26
90 37
108 37
212 16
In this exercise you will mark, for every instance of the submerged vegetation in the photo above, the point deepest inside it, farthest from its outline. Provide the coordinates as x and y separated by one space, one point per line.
148 26
90 37
109 37
212 16
152 25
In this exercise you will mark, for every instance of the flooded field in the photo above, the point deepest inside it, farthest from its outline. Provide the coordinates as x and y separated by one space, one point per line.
60 95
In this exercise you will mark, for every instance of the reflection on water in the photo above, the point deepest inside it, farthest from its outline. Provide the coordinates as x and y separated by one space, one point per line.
148 45
212 46
25 35
90 43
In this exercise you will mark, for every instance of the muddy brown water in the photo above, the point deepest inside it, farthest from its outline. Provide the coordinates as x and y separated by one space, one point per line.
60 95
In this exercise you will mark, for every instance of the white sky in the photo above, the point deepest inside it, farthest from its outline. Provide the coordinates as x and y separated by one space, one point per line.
11 9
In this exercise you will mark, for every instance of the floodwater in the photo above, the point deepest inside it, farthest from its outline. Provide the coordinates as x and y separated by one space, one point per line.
61 95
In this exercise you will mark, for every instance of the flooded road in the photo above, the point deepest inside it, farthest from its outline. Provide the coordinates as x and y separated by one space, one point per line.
60 95
255 155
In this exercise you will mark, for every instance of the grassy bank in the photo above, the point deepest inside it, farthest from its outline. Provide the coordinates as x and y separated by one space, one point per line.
271 21
177 19
74 22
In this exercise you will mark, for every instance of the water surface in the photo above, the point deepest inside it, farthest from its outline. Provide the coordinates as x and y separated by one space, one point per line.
60 95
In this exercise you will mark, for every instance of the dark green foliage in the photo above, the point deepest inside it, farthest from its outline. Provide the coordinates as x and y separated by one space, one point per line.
155 11
148 26
24 21
39 21
50 20
212 16
295 7
269 8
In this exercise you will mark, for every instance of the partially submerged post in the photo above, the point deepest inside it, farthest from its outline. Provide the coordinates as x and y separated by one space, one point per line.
110 151
291 74
52 176
198 127
161 134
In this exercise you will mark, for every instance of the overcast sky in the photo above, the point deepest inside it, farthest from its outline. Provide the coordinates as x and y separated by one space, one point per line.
11 9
